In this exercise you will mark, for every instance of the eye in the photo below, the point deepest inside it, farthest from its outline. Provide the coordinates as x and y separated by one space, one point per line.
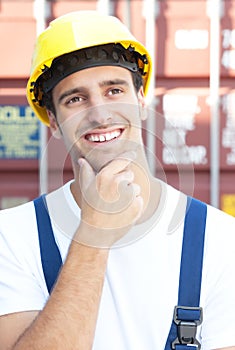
114 91
75 99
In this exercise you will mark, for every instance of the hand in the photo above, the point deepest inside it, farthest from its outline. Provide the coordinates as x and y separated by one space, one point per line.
111 201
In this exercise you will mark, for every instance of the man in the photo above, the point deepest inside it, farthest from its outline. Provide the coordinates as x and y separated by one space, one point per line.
119 230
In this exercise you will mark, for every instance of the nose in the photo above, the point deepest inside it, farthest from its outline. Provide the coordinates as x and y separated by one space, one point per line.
99 113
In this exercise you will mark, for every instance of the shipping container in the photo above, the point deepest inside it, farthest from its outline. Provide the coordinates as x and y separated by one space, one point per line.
183 114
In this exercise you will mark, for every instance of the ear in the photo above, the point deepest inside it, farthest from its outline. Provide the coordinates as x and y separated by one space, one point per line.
142 103
55 129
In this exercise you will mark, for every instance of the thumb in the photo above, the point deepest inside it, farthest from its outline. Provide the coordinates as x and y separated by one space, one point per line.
87 174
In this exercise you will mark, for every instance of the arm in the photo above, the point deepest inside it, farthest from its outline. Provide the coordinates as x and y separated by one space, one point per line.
69 318
13 325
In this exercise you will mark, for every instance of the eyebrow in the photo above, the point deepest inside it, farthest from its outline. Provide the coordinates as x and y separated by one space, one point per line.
104 83
113 82
69 93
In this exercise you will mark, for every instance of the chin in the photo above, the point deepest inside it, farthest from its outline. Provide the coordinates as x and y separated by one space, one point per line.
100 161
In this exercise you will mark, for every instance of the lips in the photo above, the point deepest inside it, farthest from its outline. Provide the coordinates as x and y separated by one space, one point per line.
100 137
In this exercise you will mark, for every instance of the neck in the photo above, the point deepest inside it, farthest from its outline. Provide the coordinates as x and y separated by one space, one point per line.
150 190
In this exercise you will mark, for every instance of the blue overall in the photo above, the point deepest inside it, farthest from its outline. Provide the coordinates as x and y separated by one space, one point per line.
187 315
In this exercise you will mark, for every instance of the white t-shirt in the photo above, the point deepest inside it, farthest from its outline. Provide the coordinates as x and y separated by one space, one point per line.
141 283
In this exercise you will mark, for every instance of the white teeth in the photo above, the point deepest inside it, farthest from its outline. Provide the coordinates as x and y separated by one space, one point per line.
103 137
93 138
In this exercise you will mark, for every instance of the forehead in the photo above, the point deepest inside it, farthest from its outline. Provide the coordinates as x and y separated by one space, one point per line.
95 76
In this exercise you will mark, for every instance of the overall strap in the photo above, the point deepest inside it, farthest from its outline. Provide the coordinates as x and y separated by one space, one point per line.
50 255
187 314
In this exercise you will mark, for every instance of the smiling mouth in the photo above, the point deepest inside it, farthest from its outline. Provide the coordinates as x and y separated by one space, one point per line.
104 136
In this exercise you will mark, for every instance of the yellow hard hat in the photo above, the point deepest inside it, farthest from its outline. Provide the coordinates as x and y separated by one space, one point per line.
77 31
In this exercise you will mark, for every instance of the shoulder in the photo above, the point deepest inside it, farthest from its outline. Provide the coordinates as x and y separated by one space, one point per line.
16 221
21 277
18 228
220 228
19 247
219 216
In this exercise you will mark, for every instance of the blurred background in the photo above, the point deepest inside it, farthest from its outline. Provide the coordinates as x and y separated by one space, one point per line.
190 132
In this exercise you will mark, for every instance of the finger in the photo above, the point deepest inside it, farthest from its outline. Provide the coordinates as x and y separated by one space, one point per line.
131 190
136 189
126 176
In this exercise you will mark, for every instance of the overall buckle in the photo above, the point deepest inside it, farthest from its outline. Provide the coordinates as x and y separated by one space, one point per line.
187 319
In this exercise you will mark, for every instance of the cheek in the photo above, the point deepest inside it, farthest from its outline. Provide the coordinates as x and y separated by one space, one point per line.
71 135
68 125
72 146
